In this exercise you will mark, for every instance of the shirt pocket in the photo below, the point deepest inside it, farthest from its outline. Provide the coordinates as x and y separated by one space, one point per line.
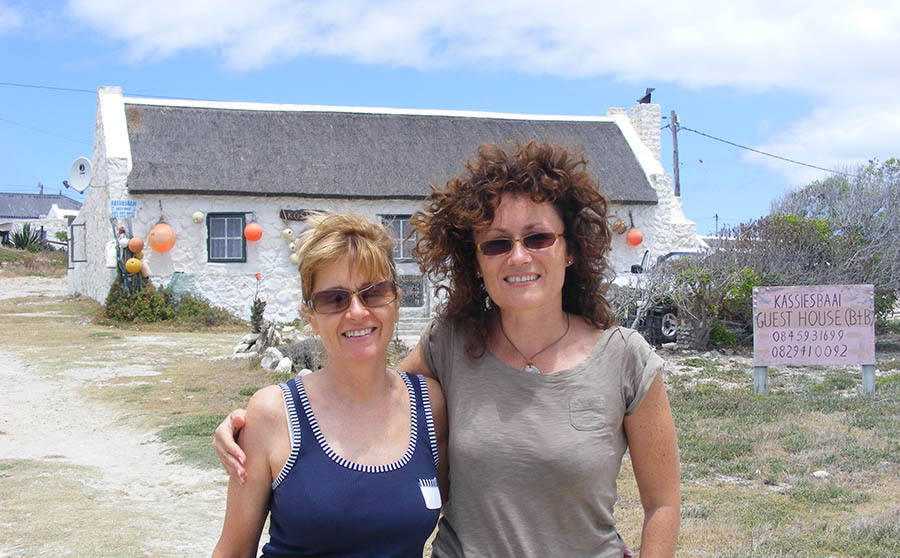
588 414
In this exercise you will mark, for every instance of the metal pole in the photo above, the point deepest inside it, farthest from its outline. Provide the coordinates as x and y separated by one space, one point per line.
760 379
868 371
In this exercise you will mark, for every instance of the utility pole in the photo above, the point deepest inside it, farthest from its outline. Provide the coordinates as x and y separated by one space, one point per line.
673 123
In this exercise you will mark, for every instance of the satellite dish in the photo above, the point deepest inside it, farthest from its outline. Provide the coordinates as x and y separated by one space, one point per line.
80 174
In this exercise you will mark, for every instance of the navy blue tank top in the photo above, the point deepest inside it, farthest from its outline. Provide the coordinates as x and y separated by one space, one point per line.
325 505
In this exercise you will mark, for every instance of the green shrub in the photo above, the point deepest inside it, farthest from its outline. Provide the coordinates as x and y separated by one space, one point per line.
148 306
722 336
152 305
194 311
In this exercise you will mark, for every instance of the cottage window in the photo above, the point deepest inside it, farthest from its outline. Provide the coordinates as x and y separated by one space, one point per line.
225 234
400 227
412 284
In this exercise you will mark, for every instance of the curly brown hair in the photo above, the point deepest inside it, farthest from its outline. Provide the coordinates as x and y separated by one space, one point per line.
544 172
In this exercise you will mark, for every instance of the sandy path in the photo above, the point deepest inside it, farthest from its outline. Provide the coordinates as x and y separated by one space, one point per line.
11 287
152 506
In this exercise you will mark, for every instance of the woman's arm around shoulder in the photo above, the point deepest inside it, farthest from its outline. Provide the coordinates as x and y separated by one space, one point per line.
264 439
654 458
439 415
414 363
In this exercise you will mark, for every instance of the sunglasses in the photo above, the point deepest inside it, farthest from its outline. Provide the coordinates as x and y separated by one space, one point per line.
500 246
333 301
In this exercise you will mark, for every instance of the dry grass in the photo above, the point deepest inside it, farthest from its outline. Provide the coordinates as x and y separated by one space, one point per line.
21 263
39 487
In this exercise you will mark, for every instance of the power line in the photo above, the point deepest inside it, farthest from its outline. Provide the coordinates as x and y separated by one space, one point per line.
30 86
36 129
91 91
764 153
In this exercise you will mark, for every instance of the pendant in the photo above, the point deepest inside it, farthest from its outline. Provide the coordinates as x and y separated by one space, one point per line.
531 369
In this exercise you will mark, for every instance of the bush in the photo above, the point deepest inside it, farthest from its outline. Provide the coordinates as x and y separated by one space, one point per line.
194 311
152 305
308 352
148 306
721 336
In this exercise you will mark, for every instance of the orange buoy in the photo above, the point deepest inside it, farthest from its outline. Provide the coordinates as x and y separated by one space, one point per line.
161 237
634 237
135 244
253 232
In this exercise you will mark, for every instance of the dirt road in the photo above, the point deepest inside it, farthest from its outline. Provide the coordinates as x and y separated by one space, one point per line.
80 478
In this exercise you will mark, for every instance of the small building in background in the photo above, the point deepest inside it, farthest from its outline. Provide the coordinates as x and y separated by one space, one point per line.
46 213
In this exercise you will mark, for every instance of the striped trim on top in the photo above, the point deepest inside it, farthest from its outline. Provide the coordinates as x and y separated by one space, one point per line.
429 422
294 420
410 449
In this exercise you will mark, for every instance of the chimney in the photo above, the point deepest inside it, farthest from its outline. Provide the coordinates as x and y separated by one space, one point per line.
41 186
646 121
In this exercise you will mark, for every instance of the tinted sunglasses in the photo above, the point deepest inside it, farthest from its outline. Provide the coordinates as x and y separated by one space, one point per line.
333 301
535 241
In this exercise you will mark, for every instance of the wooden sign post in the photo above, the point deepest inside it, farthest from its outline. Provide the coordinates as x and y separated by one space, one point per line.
817 325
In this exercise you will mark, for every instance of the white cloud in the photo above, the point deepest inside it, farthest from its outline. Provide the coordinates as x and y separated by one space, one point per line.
833 51
10 17
835 137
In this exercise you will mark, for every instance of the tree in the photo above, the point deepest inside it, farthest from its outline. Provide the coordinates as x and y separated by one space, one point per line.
859 223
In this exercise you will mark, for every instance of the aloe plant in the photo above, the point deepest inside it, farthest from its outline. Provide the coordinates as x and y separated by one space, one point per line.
26 238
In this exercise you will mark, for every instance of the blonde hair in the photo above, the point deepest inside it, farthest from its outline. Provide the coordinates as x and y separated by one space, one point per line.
368 245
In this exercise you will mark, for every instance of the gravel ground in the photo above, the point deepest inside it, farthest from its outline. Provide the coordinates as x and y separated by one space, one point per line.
77 479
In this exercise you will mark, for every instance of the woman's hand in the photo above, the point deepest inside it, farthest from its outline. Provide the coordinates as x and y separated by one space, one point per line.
225 441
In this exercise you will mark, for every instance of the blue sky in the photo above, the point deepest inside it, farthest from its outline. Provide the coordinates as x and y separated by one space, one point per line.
801 80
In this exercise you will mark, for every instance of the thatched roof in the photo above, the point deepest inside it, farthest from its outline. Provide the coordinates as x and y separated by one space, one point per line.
343 153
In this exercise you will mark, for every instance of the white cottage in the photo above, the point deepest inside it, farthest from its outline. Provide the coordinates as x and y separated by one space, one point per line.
46 213
243 162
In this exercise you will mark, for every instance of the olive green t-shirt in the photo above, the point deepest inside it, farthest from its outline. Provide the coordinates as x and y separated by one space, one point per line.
534 458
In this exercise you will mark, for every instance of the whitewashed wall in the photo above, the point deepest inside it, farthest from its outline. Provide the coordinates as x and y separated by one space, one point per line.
232 285
111 163
664 226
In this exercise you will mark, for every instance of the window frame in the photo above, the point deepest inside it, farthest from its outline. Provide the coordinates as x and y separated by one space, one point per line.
209 237
388 220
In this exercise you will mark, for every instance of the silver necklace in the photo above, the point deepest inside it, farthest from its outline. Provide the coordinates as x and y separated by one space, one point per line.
529 362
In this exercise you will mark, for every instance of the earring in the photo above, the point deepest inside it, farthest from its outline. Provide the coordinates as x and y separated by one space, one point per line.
478 274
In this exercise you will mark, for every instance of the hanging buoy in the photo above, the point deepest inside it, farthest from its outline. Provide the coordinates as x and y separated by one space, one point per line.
197 217
135 244
133 265
145 269
161 237
295 259
287 233
253 232
634 237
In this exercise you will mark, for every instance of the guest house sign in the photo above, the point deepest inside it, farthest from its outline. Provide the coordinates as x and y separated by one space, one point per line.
819 324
